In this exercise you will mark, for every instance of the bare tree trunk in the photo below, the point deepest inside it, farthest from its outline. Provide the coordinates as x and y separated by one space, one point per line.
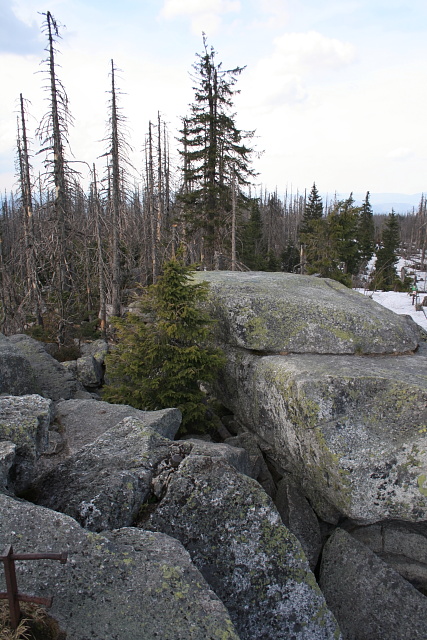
115 196
153 226
159 221
233 221
30 250
101 280
64 279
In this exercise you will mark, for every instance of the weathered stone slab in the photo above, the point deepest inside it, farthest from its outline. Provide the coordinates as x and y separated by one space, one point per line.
368 598
25 420
401 545
16 375
89 371
128 584
98 349
84 420
54 381
284 312
352 430
259 469
104 484
250 559
299 517
7 459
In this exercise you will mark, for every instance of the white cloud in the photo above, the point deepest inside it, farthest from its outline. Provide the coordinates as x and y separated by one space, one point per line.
312 50
27 10
286 76
204 16
401 153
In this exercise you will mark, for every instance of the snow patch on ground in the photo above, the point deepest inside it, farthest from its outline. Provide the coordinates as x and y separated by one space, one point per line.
400 303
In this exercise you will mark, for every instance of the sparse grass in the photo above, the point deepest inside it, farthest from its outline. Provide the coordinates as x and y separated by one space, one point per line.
36 624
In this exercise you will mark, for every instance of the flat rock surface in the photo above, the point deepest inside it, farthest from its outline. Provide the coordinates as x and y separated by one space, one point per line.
284 312
105 483
368 598
25 420
250 559
351 429
130 584
16 374
54 381
84 420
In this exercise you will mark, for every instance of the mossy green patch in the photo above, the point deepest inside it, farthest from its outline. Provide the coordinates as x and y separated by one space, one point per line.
421 484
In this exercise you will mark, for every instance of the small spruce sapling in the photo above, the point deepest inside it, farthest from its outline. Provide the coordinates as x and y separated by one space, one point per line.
162 355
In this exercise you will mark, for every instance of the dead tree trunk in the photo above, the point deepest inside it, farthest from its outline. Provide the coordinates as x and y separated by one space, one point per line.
115 197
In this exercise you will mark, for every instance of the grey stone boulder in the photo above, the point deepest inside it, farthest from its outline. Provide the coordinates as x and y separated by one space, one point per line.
98 349
401 545
7 459
54 381
284 312
25 420
71 367
369 599
351 430
299 517
104 484
82 421
259 468
250 559
89 371
16 375
127 584
237 457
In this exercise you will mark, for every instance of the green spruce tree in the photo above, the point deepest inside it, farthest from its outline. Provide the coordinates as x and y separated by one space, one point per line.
366 231
162 356
348 246
252 252
313 210
215 155
385 276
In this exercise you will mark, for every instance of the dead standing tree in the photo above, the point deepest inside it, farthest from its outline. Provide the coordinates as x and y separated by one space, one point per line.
33 285
117 154
53 134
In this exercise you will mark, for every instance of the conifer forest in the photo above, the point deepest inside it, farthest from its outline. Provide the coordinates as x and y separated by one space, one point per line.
71 256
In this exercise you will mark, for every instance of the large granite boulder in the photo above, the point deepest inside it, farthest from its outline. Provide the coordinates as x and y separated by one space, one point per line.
24 421
17 377
369 599
82 421
351 430
98 349
259 468
125 584
105 484
299 517
89 372
401 545
7 459
284 312
250 559
54 381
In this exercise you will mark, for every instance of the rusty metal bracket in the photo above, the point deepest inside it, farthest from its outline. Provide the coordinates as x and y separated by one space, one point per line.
12 594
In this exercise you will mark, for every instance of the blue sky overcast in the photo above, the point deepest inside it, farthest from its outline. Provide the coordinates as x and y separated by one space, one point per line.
335 89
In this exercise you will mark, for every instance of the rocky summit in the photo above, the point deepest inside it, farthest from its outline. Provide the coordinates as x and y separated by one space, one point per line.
309 520
284 312
345 416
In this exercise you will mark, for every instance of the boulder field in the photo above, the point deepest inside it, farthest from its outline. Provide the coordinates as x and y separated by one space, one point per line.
333 385
307 523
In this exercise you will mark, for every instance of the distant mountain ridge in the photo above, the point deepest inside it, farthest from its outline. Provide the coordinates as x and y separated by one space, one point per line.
384 202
